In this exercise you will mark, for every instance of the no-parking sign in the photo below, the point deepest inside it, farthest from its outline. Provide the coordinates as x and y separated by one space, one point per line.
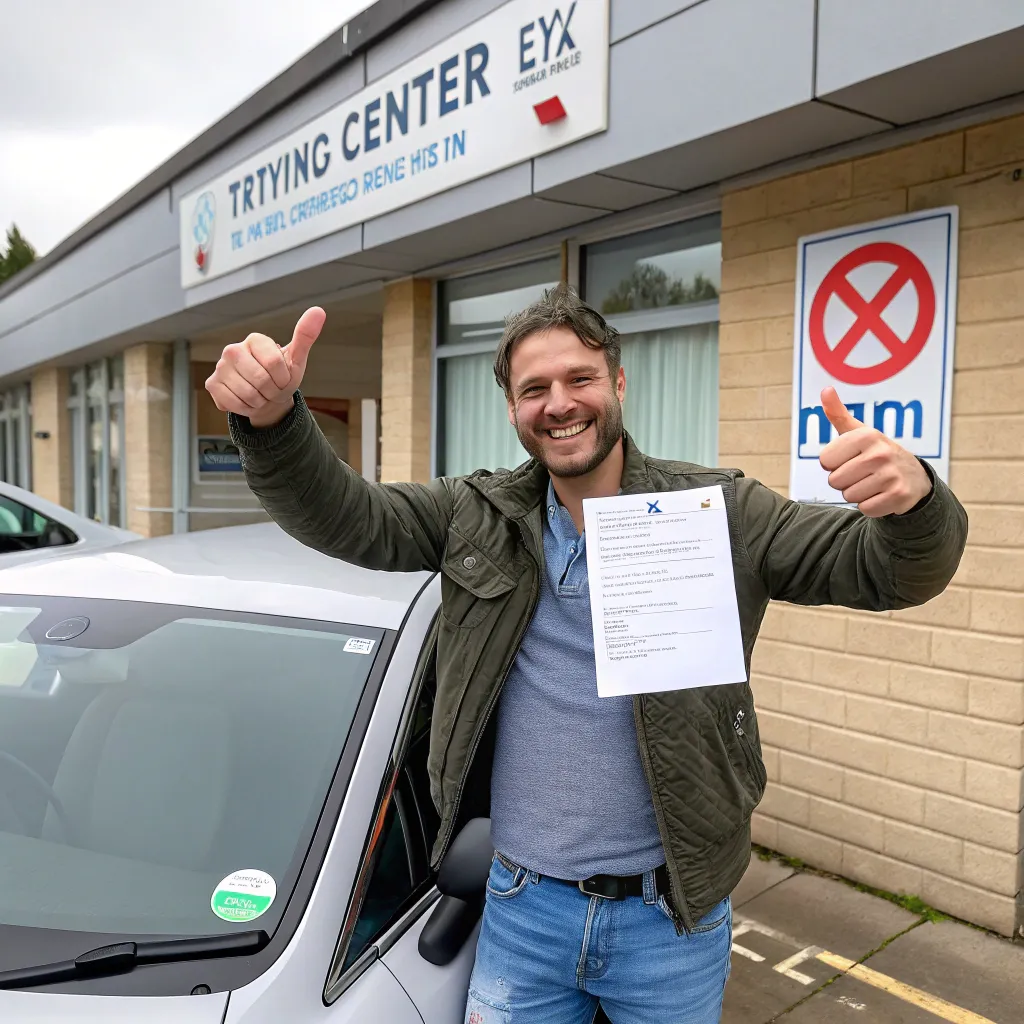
875 318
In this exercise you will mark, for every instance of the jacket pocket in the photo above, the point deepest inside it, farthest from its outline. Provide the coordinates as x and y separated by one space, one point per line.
471 583
737 725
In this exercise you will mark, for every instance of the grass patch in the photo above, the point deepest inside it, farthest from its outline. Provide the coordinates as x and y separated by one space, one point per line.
914 904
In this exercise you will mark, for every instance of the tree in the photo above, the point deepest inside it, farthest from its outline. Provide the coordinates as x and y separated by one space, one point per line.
649 287
18 254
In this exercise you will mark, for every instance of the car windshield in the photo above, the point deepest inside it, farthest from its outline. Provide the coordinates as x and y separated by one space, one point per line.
162 769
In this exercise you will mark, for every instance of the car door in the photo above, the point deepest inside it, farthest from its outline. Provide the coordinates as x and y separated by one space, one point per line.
397 894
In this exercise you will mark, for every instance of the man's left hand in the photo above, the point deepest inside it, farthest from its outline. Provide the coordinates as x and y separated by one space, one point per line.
873 472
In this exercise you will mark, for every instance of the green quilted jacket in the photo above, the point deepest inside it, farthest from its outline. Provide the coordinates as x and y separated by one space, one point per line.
483 534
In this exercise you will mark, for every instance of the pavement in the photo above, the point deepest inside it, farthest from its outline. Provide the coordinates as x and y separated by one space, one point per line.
809 949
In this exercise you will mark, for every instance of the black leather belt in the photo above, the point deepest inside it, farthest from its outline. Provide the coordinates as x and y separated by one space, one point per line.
618 887
608 887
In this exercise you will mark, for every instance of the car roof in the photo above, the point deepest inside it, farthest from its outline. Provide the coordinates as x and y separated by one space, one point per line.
257 568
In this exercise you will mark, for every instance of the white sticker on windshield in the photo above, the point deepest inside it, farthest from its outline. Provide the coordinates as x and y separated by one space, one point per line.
243 896
355 645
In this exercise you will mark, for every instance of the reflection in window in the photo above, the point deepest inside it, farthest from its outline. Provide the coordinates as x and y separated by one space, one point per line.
674 266
671 363
474 308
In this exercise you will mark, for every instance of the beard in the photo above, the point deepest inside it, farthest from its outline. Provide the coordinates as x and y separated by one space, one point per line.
607 427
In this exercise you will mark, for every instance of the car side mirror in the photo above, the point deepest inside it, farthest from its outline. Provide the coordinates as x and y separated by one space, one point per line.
462 882
467 863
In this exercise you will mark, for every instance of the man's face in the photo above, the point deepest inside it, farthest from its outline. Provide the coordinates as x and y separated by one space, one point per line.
564 405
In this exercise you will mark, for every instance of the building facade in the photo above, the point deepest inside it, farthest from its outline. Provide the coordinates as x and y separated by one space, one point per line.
449 161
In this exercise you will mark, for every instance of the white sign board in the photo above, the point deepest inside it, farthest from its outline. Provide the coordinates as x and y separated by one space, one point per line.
875 318
526 79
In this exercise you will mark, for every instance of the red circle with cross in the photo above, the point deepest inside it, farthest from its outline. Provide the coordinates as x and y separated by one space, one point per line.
868 313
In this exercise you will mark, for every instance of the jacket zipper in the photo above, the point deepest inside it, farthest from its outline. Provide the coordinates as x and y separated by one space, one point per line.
488 711
677 912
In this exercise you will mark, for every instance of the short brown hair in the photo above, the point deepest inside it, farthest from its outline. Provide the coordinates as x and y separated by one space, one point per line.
560 307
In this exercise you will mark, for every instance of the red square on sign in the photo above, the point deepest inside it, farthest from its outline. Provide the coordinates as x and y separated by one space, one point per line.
550 110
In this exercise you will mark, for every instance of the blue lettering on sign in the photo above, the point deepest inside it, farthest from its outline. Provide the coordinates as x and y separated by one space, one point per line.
321 160
424 159
547 30
899 413
898 409
458 80
398 115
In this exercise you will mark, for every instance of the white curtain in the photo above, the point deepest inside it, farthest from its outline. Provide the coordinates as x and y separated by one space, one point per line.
477 434
671 407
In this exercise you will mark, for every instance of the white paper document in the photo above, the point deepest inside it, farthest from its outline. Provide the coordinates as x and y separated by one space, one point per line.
662 592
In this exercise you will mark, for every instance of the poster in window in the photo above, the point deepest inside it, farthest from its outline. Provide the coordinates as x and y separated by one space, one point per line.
218 455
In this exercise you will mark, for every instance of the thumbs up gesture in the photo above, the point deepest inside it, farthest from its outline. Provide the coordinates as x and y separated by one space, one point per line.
257 377
873 472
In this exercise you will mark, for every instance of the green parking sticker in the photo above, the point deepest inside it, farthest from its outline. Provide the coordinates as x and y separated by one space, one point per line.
243 896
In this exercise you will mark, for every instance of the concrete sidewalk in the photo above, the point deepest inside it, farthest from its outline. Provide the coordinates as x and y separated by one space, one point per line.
809 949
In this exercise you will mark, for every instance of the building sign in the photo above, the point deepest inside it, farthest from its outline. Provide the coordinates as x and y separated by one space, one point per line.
217 455
526 79
875 318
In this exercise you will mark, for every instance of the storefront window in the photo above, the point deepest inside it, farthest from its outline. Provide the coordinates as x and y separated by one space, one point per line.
473 428
679 265
15 435
97 440
660 290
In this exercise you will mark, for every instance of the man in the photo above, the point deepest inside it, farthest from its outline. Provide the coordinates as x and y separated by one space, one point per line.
621 825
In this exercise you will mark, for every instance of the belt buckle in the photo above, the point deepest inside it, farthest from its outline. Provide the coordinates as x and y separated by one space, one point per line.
583 887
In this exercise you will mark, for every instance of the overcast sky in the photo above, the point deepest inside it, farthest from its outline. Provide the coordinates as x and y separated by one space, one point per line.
94 94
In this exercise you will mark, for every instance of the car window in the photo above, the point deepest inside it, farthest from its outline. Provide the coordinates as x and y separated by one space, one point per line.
22 528
401 868
163 769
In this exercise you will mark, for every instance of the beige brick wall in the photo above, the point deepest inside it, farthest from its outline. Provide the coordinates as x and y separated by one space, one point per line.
406 338
52 472
147 419
895 743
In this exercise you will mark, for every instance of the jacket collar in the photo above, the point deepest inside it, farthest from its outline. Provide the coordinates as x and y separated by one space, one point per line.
524 489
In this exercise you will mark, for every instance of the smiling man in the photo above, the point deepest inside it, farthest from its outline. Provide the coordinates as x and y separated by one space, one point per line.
621 824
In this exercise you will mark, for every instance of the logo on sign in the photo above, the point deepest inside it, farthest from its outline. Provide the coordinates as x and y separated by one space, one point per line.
870 315
875 319
204 217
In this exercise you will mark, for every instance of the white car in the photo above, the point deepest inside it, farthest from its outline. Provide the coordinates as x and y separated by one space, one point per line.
214 806
32 528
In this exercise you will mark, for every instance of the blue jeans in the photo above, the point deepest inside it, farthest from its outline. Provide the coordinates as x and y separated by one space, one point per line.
548 954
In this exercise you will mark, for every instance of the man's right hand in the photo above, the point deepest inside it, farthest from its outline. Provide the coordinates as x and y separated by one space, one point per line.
257 377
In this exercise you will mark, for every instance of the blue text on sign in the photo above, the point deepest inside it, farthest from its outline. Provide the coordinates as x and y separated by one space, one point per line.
881 418
528 38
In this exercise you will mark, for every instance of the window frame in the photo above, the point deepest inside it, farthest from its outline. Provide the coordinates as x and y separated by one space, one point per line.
79 407
422 897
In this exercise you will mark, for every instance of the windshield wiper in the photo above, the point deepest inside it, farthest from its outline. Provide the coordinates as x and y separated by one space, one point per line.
125 956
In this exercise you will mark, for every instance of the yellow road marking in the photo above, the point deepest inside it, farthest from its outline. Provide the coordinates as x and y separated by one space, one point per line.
909 994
